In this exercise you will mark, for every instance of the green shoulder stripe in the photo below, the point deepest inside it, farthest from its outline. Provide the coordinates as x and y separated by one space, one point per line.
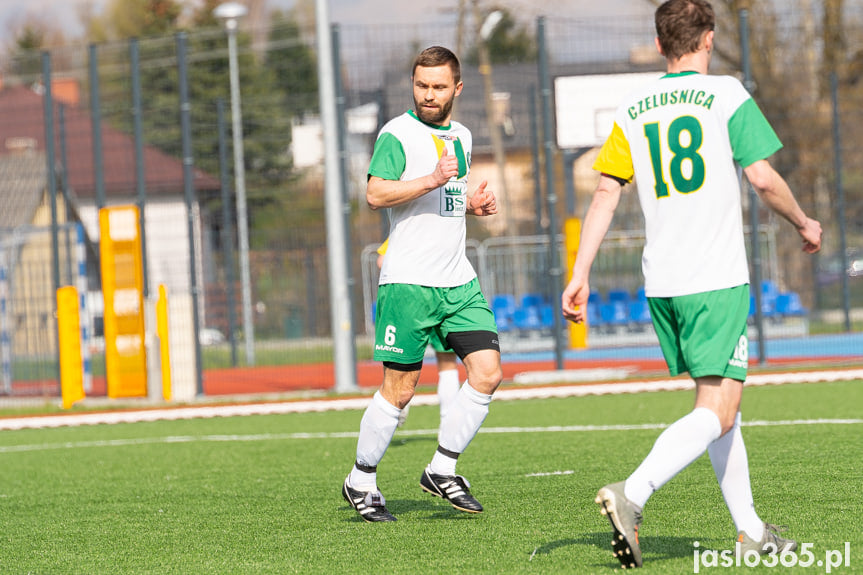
388 159
752 138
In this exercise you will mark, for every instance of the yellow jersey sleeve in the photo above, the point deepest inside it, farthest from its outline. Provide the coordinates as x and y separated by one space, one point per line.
382 249
615 158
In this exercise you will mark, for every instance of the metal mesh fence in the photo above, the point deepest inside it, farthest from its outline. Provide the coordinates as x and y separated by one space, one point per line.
118 139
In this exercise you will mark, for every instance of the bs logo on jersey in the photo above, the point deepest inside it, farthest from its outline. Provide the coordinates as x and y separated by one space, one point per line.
453 195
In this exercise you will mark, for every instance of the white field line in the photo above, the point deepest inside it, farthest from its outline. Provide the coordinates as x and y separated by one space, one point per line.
415 432
208 411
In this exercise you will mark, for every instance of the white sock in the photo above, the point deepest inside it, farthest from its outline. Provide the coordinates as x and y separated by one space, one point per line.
675 448
728 456
376 431
462 423
447 389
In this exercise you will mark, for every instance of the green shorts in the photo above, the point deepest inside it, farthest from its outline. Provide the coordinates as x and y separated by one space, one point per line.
704 333
438 343
409 316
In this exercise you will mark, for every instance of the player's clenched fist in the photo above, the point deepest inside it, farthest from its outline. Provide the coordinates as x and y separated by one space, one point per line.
446 169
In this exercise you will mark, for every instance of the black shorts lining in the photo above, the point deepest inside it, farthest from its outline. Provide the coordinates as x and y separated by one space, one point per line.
416 366
464 343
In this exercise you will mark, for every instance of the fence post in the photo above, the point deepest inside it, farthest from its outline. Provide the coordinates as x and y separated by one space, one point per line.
537 179
344 353
51 173
343 163
64 187
227 231
5 337
554 269
840 199
82 285
140 181
188 185
96 122
754 236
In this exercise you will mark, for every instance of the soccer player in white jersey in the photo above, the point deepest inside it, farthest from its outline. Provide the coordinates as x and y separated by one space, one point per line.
680 137
419 171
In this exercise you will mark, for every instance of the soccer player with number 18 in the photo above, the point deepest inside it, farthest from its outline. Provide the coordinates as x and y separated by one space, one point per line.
681 137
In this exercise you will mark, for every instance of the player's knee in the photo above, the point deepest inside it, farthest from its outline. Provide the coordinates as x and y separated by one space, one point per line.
397 394
727 420
404 397
487 380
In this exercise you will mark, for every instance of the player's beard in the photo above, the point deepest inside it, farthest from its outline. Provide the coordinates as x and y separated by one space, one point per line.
436 117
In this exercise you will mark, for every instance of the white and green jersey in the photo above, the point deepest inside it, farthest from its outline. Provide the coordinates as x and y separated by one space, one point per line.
427 235
680 136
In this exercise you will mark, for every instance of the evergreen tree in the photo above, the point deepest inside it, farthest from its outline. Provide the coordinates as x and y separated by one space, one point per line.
293 65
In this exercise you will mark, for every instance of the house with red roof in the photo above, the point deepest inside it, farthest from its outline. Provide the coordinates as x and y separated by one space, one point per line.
25 208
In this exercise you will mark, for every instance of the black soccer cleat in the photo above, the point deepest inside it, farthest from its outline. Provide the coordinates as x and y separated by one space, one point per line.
371 505
453 488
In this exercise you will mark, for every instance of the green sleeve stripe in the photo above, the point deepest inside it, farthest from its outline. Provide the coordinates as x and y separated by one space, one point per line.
462 158
752 138
388 159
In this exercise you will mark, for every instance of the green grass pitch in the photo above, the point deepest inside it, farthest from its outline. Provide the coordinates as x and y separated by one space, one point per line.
261 494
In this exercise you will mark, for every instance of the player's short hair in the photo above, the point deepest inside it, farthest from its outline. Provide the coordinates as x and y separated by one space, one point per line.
681 24
438 56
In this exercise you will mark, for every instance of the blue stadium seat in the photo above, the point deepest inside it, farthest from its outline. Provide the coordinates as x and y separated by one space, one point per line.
614 313
639 312
769 289
640 294
533 313
546 316
594 301
503 304
619 295
503 307
768 306
527 318
788 304
504 324
769 293
532 300
594 319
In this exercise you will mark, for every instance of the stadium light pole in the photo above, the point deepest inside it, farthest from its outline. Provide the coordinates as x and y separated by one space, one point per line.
230 13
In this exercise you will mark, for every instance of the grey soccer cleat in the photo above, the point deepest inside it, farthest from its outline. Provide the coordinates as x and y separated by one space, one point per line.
453 488
770 542
371 505
625 520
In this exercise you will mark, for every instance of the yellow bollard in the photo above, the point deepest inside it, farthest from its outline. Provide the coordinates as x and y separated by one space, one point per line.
164 346
69 335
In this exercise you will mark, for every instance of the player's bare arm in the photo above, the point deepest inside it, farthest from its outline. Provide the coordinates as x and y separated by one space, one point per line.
483 201
596 224
381 193
774 191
